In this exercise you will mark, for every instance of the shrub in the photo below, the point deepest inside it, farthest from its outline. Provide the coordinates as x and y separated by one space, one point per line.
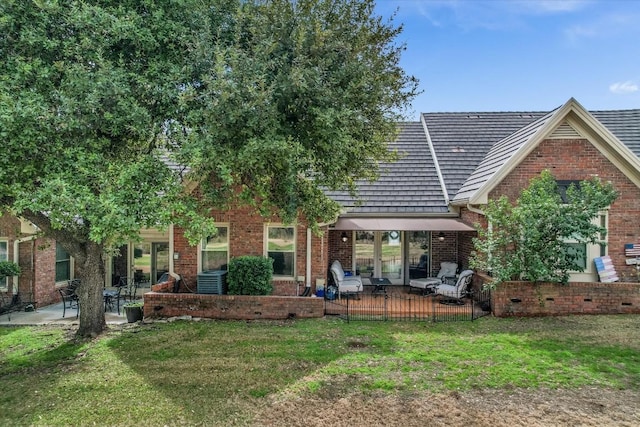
531 238
8 268
250 275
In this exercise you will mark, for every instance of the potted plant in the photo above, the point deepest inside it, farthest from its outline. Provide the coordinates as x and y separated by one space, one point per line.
8 268
133 311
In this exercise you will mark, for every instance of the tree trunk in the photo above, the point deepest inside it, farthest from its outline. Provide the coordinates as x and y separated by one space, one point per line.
91 274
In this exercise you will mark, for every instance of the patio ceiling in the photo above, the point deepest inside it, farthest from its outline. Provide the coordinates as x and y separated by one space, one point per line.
403 224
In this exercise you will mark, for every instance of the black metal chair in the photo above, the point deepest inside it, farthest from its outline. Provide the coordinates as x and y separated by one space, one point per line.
129 288
69 297
111 297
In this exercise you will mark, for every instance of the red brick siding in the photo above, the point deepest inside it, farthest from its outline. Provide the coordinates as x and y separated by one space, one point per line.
552 299
237 307
246 237
36 259
45 272
339 250
570 159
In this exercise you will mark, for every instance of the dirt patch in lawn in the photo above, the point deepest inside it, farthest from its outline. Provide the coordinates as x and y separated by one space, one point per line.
495 408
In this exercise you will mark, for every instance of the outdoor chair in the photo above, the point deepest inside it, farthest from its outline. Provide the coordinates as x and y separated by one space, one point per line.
446 274
419 271
69 297
345 284
455 293
129 288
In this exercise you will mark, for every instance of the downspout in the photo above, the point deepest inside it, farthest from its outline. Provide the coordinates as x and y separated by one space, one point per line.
16 256
308 278
171 251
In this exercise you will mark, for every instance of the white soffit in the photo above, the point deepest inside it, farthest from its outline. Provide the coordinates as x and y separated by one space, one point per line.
406 224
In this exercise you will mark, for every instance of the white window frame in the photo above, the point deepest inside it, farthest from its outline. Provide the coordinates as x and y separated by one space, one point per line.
202 245
4 284
295 247
71 267
590 273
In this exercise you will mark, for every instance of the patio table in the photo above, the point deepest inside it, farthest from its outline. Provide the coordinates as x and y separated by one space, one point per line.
380 285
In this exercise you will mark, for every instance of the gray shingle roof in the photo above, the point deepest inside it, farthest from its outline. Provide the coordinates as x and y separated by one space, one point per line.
624 124
462 140
500 153
409 186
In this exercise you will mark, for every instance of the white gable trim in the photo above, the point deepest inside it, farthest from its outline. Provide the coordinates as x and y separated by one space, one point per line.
584 124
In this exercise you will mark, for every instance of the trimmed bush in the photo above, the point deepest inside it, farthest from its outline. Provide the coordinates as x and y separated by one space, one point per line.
250 275
8 268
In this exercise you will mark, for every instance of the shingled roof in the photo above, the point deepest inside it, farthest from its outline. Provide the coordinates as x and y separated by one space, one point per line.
509 151
462 140
409 186
624 124
468 148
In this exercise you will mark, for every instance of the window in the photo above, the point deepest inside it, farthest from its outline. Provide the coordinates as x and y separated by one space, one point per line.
563 186
63 264
578 254
583 254
281 247
215 250
4 256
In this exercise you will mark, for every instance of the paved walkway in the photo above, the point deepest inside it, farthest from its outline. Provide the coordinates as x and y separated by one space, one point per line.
52 315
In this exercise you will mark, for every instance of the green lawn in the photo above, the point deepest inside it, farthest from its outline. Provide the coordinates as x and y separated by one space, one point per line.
223 373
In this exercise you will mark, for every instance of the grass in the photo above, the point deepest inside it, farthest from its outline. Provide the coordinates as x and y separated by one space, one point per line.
223 373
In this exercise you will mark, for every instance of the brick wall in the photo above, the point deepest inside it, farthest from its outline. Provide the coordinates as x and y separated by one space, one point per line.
231 307
246 237
44 283
577 159
36 259
553 299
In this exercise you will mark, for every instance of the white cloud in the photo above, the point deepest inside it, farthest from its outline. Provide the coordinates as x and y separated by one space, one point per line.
550 6
623 87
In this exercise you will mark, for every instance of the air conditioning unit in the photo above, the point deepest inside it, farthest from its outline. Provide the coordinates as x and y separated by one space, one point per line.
212 282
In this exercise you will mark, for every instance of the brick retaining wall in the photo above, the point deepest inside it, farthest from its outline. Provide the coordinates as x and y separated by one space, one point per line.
236 307
553 299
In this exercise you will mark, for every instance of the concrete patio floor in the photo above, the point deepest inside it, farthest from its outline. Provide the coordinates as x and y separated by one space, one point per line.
52 315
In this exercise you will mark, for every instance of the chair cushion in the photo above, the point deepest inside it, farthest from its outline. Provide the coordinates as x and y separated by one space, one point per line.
447 269
423 283
336 268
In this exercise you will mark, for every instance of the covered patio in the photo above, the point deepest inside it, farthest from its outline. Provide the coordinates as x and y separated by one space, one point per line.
400 248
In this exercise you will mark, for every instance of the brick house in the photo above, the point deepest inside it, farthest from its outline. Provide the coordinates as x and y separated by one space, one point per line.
421 210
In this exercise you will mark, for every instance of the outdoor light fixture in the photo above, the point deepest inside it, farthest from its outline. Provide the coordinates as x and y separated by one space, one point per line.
344 236
441 236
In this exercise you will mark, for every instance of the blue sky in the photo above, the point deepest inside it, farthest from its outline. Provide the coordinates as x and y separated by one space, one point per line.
520 55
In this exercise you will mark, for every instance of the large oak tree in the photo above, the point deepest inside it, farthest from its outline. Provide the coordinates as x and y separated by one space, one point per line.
108 108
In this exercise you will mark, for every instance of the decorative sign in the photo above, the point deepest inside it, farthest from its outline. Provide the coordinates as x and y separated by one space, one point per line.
605 269
632 249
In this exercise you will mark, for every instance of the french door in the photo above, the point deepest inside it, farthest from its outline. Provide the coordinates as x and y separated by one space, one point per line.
159 260
379 254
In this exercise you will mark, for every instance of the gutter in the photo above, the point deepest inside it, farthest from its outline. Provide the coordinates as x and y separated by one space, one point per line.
476 210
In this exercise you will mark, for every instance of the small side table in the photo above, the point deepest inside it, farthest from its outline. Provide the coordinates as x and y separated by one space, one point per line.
380 285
